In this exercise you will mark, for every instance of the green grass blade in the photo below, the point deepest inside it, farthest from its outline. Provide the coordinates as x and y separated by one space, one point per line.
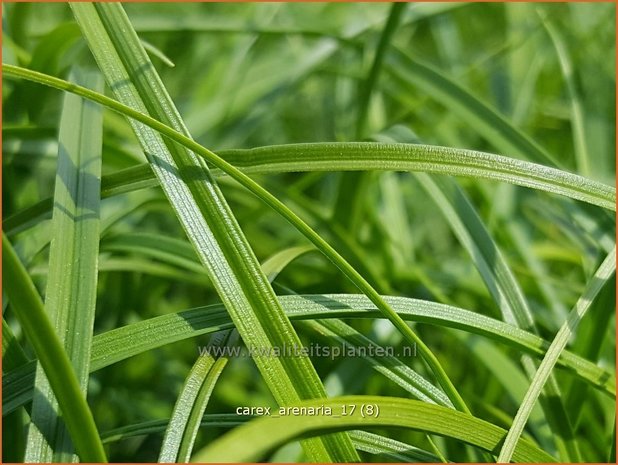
345 156
157 246
205 215
18 386
508 373
416 157
351 187
13 356
252 441
578 130
28 217
155 52
524 61
276 263
72 283
369 84
145 266
394 450
522 244
603 274
476 240
27 132
591 336
120 182
39 330
189 409
611 458
122 343
399 157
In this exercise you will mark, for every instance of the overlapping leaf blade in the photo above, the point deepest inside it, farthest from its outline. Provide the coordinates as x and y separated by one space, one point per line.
349 156
263 435
72 282
191 403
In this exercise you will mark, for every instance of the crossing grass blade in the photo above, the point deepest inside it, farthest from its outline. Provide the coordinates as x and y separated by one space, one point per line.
205 215
357 156
603 274
337 331
160 426
121 343
191 403
476 240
